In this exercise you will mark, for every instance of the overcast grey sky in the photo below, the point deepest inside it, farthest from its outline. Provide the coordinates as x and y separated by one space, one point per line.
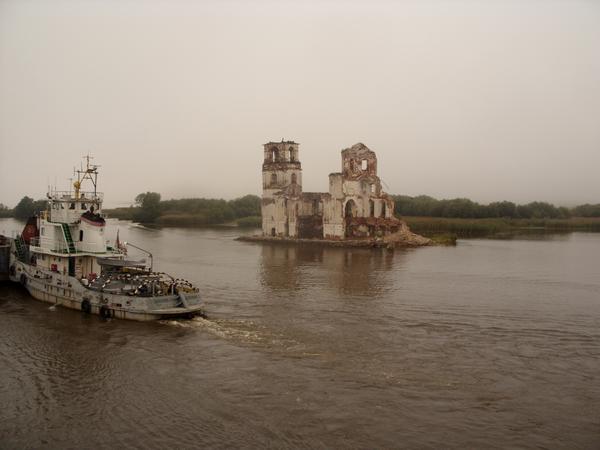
489 100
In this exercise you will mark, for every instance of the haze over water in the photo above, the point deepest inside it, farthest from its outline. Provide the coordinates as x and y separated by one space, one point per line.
489 344
490 100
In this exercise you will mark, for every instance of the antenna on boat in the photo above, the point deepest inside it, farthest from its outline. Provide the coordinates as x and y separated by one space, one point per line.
90 173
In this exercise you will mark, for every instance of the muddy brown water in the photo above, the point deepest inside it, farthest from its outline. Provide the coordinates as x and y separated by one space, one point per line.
489 344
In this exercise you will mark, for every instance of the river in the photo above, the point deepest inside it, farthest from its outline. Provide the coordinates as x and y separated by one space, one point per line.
489 344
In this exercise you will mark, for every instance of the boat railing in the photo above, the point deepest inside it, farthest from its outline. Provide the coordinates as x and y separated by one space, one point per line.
70 195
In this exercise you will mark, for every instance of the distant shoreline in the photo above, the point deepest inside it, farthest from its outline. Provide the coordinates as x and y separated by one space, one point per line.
436 226
431 227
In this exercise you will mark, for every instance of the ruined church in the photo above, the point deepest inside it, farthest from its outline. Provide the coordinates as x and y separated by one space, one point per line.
354 208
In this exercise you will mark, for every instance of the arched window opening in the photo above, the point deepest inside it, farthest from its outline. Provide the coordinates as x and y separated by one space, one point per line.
292 159
350 210
383 209
363 165
372 208
273 179
294 178
274 155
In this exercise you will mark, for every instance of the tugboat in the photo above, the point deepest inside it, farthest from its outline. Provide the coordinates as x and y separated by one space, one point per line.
63 258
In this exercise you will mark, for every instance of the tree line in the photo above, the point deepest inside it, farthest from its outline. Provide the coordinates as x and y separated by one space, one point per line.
426 206
149 208
193 211
26 208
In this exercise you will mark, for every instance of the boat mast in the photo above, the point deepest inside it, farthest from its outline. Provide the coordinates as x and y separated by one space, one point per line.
90 173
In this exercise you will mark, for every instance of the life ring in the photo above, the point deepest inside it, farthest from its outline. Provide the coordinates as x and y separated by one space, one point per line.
86 306
105 312
23 279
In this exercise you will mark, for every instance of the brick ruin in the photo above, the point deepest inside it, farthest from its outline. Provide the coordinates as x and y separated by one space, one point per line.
355 207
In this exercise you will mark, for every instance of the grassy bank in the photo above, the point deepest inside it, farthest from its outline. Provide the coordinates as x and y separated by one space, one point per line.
200 219
120 213
431 226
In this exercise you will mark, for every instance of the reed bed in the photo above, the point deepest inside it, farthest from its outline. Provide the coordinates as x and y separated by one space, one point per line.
430 226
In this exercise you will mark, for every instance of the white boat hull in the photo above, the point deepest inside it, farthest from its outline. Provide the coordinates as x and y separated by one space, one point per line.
68 292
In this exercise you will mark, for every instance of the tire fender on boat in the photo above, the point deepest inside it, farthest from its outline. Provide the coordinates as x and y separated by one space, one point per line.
105 312
86 306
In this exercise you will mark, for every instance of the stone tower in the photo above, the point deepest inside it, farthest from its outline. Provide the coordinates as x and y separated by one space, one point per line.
282 189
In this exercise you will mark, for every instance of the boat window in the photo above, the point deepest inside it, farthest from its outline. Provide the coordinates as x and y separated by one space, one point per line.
72 206
80 235
83 206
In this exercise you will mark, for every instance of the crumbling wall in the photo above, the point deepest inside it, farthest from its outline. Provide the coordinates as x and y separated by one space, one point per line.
355 207
358 162
282 189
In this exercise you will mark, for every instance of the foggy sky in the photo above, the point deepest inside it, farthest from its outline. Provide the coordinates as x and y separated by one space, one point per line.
489 100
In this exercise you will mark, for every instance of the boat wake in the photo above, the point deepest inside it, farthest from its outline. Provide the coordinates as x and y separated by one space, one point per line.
244 332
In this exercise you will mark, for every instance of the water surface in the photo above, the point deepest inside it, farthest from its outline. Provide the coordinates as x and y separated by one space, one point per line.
489 344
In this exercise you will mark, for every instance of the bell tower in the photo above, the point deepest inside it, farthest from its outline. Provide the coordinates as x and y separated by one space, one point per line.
282 188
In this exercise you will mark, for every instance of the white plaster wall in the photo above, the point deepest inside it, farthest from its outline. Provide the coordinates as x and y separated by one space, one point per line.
352 188
275 215
335 185
284 178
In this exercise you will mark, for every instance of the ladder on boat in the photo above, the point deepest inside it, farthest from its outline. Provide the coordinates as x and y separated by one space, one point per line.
68 238
21 248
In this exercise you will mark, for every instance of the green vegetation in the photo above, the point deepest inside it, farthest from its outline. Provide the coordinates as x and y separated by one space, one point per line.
28 207
191 211
464 218
586 210
124 213
250 222
5 211
148 207
434 226
424 205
